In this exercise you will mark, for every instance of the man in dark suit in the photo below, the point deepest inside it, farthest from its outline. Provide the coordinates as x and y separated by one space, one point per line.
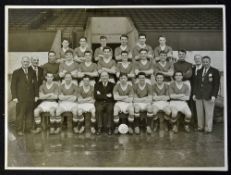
103 93
38 70
205 91
192 104
24 89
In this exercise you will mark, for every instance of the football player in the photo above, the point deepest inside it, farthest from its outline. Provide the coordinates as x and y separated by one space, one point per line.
68 92
107 64
48 93
179 93
79 51
160 101
86 104
68 66
142 45
123 47
142 102
99 53
123 94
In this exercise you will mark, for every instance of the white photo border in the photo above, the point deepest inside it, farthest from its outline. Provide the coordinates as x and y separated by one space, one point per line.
225 168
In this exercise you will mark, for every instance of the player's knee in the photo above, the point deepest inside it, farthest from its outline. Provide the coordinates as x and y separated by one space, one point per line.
131 110
37 119
116 119
52 119
58 119
174 113
52 111
167 111
37 112
116 110
79 112
137 109
130 118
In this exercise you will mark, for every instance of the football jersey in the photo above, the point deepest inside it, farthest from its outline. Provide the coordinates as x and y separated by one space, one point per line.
146 91
125 69
124 92
85 94
160 92
54 88
143 67
71 90
61 53
173 89
98 51
119 49
79 52
109 65
84 68
166 49
68 68
164 68
137 48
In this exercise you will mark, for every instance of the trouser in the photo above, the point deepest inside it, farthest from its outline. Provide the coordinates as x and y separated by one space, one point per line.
104 114
205 109
24 115
192 106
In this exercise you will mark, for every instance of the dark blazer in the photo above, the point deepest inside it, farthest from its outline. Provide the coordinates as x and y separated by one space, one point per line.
194 76
209 87
100 92
40 77
22 88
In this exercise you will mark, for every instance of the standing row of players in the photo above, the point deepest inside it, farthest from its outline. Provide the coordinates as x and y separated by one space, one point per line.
133 53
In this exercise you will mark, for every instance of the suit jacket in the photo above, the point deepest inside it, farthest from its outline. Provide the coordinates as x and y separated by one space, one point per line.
205 88
40 77
100 92
22 88
194 76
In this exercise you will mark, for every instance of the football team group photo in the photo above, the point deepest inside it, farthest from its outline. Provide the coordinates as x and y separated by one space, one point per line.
115 87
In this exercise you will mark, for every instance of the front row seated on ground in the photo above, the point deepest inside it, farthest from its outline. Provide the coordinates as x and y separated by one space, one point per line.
130 100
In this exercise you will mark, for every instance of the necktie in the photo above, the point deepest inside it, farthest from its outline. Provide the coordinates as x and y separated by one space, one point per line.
36 72
26 73
205 71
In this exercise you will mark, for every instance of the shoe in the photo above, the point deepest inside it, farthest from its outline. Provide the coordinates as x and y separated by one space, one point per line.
99 131
109 131
57 131
36 131
148 130
93 130
186 128
75 130
137 130
20 133
130 130
207 132
81 130
52 130
175 128
116 131
199 129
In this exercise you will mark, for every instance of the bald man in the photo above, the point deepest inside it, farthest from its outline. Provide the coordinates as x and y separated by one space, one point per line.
24 90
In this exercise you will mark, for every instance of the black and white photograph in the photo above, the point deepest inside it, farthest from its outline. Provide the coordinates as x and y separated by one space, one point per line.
115 87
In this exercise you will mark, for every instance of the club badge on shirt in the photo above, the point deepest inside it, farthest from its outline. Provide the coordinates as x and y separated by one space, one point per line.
210 77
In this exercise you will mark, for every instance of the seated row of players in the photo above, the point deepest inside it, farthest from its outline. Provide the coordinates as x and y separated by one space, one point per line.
109 65
133 54
132 100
